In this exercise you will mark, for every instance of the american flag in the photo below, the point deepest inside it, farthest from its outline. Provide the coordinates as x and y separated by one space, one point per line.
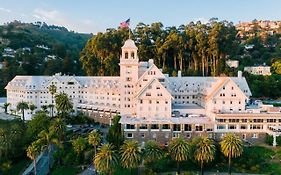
125 24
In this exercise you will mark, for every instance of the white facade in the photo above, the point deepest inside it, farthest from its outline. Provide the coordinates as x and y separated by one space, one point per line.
258 70
149 100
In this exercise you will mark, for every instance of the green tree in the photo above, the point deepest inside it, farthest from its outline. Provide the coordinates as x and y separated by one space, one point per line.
79 145
276 67
32 107
106 160
32 152
58 128
5 106
130 154
47 139
231 147
5 144
114 135
52 90
205 152
63 104
22 106
94 139
39 122
178 149
152 151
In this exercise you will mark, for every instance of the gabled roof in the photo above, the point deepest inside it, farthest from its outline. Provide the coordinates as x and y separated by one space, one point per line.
149 83
220 85
145 73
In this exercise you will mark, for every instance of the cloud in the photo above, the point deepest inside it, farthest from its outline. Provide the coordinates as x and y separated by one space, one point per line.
5 10
58 18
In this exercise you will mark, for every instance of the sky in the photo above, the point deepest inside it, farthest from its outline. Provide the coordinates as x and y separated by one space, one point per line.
92 16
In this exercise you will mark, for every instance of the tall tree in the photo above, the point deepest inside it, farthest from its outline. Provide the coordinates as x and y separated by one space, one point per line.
52 90
106 160
22 106
231 147
47 140
204 152
114 135
152 151
32 152
178 149
5 106
63 104
79 145
94 139
130 154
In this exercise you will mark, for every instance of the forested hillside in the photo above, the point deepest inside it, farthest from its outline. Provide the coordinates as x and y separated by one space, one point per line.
38 49
196 49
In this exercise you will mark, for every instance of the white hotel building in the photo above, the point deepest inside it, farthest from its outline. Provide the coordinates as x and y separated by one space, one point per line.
153 105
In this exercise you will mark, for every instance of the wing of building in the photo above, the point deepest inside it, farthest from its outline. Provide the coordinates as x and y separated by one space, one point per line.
154 105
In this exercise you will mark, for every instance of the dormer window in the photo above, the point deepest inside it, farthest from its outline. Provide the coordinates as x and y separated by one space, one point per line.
126 55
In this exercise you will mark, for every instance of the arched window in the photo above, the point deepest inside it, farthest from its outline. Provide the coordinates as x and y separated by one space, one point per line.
132 55
126 55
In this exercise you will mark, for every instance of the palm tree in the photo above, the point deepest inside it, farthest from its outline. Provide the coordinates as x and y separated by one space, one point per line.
152 151
79 145
47 139
106 159
130 154
5 106
58 128
22 106
204 151
32 152
231 146
32 107
94 139
179 149
52 90
63 103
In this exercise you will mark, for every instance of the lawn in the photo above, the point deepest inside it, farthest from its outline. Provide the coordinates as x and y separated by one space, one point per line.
66 170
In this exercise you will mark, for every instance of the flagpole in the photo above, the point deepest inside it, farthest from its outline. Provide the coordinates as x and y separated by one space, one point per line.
129 30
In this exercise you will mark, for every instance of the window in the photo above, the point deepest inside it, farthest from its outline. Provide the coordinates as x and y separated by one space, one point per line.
176 127
154 126
126 55
141 101
165 126
232 127
199 128
129 135
132 55
243 127
187 127
143 126
220 127
142 135
148 94
129 126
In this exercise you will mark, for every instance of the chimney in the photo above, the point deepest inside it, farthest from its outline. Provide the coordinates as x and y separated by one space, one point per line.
179 73
239 74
